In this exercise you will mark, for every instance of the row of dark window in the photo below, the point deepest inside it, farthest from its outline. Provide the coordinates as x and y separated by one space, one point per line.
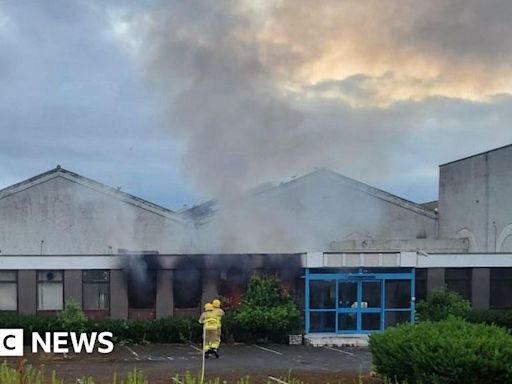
50 290
187 289
460 280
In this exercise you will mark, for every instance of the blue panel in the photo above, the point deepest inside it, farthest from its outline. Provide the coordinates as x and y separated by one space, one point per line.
358 276
306 308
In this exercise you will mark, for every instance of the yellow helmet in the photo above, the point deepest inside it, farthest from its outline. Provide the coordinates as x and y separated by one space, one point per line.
216 303
208 307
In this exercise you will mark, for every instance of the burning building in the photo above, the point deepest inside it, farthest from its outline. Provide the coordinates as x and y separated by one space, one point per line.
355 257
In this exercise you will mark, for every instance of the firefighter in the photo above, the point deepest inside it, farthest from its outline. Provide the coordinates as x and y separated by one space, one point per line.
219 312
211 326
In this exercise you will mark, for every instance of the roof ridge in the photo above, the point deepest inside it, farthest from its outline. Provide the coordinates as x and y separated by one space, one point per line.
362 184
476 154
84 179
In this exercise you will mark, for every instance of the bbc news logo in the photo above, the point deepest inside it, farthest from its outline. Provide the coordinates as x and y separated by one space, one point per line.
11 342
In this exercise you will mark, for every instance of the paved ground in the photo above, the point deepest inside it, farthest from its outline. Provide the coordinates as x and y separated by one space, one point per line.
160 362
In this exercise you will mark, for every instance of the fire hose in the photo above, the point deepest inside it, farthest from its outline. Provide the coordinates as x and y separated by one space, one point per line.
204 356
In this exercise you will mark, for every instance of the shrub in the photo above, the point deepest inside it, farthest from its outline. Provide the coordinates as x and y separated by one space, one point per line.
267 313
72 318
441 304
450 351
166 330
499 317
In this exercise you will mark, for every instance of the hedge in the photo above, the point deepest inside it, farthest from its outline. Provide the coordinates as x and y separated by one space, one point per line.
451 351
499 317
167 330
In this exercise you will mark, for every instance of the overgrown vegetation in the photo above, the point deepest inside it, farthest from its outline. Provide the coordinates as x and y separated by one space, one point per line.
441 304
499 317
72 318
25 374
451 351
267 312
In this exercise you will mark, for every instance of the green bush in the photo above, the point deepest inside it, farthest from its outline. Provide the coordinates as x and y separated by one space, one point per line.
72 318
450 351
499 317
267 313
441 304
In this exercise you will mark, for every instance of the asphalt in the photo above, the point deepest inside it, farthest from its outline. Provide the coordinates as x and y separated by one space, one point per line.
160 362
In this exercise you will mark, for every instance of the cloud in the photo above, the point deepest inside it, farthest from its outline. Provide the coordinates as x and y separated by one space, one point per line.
71 96
455 48
259 92
174 100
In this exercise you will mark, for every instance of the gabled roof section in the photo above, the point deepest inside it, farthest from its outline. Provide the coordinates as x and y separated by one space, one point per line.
60 172
205 210
357 185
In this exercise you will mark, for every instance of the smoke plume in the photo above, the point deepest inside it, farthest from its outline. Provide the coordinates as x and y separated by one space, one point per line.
262 90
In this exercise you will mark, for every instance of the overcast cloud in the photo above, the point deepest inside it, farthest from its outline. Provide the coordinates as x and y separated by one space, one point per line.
178 101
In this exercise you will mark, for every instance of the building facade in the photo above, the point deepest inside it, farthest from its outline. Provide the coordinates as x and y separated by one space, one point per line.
356 258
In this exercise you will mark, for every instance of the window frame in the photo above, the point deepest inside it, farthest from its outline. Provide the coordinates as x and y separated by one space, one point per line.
498 279
39 281
468 279
15 281
97 281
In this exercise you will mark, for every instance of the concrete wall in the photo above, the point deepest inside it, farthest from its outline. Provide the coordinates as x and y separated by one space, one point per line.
27 292
435 279
164 294
74 219
481 288
118 295
474 200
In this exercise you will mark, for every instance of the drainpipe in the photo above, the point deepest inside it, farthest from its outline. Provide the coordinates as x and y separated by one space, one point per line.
495 235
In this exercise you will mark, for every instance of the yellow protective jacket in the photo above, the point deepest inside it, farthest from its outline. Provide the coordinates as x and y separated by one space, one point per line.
210 321
219 313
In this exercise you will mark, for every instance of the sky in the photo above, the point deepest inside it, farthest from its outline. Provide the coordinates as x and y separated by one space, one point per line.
180 101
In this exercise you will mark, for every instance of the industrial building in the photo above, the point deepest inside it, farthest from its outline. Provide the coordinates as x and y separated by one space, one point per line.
356 258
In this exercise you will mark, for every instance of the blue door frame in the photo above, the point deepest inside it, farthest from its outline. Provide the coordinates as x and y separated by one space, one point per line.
359 277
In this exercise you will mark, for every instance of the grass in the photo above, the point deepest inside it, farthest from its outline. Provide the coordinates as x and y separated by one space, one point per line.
26 374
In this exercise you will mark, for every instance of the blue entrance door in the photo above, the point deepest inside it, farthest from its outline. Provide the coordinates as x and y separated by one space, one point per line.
359 301
359 306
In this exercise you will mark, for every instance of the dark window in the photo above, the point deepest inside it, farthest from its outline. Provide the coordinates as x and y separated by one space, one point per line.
142 289
421 284
187 287
347 321
459 280
322 294
398 294
322 321
501 288
8 290
50 290
232 285
393 318
370 321
96 289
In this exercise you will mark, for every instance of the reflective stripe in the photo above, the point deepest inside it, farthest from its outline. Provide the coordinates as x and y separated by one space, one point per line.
211 324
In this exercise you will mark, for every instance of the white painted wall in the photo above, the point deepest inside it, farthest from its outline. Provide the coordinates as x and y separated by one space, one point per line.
74 219
308 214
475 200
